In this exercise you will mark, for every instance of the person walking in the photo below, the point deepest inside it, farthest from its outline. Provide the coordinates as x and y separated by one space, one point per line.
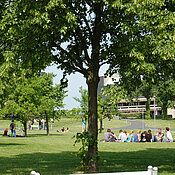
83 125
12 128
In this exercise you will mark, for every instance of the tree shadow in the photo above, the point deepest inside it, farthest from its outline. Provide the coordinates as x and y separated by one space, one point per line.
44 135
67 162
44 163
10 144
163 158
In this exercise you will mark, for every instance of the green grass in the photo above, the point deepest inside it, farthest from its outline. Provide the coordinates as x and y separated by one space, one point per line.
56 154
73 124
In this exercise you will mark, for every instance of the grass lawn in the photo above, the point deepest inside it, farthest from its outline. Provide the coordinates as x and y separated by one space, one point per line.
56 154
73 124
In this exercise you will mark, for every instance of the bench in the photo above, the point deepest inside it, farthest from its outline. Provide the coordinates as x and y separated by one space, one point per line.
35 126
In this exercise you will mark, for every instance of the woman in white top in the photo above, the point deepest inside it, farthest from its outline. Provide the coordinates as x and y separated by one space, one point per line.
169 137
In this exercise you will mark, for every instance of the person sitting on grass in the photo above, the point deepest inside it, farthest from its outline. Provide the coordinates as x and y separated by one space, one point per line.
159 136
169 137
130 137
143 136
63 130
127 134
22 134
137 136
5 132
148 136
109 137
122 136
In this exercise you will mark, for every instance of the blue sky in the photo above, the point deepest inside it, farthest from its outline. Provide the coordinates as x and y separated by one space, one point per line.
74 82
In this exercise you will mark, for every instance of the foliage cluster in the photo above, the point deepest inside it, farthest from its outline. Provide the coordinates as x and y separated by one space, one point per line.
34 97
82 154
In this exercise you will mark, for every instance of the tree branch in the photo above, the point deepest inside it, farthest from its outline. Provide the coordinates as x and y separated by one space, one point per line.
104 63
75 67
87 24
72 58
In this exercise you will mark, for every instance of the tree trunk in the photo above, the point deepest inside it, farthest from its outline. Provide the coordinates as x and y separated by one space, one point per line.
25 128
164 109
101 125
92 82
47 122
147 114
2 103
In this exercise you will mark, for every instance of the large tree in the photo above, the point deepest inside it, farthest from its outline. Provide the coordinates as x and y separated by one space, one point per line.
82 35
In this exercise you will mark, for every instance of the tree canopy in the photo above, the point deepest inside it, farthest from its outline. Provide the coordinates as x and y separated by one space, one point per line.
81 36
34 97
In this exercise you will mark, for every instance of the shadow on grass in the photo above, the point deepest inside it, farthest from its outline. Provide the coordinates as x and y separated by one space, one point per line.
45 135
66 162
138 160
44 163
10 144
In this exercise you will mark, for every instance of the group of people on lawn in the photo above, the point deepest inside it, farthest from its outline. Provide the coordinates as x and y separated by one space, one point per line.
41 123
145 136
13 131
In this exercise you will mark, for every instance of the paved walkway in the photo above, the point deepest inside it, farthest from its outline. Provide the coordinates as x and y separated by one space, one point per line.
134 125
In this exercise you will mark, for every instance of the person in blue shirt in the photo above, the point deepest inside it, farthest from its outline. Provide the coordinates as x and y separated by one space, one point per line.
130 137
137 136
83 125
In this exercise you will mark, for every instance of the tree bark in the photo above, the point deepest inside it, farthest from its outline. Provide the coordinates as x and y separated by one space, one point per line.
164 109
47 122
101 125
92 82
25 128
147 115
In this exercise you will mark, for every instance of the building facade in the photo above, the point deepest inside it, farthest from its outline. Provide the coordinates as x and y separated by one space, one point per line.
138 105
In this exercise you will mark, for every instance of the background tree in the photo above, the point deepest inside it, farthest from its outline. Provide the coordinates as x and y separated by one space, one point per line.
165 95
107 102
51 99
93 33
83 100
34 97
154 51
22 102
9 74
147 90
